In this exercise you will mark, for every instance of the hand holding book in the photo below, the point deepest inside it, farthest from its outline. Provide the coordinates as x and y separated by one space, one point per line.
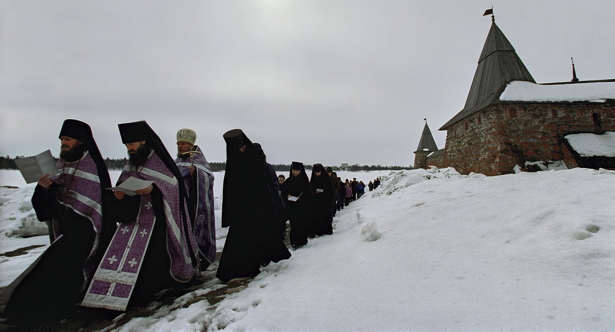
292 198
34 168
134 186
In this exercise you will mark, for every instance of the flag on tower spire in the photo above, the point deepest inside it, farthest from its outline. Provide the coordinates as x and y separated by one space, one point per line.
490 12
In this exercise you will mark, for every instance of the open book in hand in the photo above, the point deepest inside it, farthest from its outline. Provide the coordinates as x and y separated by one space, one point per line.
294 198
33 168
131 184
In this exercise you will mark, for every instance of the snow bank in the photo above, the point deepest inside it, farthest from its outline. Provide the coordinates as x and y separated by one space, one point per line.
19 218
530 251
433 250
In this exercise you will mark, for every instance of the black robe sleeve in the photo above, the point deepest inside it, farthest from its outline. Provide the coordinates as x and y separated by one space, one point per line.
45 203
126 209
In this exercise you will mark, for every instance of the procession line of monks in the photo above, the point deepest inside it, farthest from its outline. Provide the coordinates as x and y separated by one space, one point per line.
115 249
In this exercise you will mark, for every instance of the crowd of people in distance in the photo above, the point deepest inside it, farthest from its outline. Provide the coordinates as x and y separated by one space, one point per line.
115 249
348 191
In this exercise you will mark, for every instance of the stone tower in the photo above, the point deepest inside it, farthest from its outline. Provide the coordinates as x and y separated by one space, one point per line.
426 146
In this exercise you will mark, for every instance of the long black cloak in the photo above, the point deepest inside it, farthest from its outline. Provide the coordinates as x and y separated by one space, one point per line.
249 209
299 212
323 201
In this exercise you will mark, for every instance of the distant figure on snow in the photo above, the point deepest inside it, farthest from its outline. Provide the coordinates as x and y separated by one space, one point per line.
341 194
348 192
335 183
360 189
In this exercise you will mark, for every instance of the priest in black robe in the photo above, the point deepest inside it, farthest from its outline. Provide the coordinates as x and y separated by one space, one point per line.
153 247
274 187
76 206
298 199
249 210
324 198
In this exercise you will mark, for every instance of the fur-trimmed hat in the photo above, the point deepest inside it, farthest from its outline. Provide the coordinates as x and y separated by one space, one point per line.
186 135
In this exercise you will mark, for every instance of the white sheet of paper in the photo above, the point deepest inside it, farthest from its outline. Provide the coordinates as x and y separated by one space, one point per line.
32 168
294 198
318 190
131 184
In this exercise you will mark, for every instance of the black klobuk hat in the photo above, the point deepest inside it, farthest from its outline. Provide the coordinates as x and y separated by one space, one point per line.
134 131
76 129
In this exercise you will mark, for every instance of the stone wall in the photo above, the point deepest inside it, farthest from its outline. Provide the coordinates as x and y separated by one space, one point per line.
470 143
438 159
495 139
420 159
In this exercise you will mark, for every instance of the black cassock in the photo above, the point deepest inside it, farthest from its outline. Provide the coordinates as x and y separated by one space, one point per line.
300 213
52 285
249 210
323 203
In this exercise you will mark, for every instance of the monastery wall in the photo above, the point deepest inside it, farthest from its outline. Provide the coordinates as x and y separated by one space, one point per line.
495 139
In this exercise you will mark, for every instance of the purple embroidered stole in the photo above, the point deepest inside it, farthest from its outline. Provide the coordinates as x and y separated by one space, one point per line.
117 274
81 193
205 221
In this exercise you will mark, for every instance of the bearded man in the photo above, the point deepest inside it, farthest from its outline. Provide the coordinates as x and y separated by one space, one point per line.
199 182
154 247
76 205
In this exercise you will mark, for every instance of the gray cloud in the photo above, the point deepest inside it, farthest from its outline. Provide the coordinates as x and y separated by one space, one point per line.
315 81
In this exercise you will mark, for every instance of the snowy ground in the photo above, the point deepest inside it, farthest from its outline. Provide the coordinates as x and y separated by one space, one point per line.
19 227
427 251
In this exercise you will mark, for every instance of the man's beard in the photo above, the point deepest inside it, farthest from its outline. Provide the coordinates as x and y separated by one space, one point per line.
140 157
73 154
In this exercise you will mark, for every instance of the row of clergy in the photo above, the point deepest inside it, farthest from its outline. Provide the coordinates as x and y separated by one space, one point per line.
116 249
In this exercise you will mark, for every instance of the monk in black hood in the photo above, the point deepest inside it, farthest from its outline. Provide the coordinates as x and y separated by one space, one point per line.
298 199
249 210
322 189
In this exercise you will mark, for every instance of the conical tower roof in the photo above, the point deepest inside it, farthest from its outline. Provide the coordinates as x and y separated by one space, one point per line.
498 65
427 143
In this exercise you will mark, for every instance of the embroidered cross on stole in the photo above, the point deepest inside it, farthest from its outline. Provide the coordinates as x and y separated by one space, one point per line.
117 273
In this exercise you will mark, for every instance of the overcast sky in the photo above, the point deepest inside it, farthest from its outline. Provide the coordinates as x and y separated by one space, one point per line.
317 81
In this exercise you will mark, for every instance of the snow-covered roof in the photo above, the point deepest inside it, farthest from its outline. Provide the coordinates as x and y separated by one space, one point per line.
526 91
593 145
